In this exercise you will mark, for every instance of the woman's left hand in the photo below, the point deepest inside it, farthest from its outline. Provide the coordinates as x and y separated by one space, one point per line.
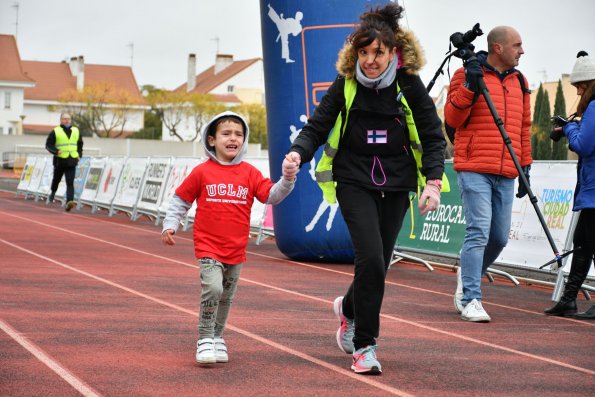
430 198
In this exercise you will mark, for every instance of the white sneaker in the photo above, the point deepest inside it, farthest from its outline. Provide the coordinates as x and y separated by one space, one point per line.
458 296
205 351
220 350
474 312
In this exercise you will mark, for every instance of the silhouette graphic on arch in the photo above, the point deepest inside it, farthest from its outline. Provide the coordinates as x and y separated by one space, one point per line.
286 26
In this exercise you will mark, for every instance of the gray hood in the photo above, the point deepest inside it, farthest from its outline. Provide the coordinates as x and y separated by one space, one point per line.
210 151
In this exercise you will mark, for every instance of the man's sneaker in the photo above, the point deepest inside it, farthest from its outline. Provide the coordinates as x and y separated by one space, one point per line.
205 351
70 205
346 328
474 312
220 350
365 361
458 296
51 198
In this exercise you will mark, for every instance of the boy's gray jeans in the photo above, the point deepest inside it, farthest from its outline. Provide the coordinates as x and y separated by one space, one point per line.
219 283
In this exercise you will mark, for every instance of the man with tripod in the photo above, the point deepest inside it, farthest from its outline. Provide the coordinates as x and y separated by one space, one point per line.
486 170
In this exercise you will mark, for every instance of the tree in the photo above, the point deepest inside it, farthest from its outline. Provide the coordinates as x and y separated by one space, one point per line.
100 109
171 107
153 126
559 149
256 117
534 129
541 144
202 108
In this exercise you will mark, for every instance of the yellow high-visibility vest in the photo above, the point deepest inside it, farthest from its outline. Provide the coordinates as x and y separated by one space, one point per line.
324 168
67 146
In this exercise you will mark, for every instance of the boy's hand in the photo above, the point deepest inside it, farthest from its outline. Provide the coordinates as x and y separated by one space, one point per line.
167 237
291 166
294 157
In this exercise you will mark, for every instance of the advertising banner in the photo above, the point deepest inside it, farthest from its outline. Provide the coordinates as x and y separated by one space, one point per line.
26 173
130 183
553 184
108 183
96 167
37 174
45 184
153 184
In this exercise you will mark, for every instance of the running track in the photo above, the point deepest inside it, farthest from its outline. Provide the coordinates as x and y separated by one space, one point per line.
96 305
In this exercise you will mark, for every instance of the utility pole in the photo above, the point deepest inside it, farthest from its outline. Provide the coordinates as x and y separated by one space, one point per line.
131 45
16 7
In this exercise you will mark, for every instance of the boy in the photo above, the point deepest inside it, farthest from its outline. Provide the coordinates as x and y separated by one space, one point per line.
224 188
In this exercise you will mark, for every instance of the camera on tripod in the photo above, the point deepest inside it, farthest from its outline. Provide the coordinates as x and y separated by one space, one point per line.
558 122
462 42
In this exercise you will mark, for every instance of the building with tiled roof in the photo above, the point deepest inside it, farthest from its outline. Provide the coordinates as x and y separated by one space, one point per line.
13 83
230 82
38 102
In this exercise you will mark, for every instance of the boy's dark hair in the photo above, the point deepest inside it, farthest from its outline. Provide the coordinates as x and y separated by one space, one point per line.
234 119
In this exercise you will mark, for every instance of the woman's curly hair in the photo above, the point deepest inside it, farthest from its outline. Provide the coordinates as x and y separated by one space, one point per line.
378 23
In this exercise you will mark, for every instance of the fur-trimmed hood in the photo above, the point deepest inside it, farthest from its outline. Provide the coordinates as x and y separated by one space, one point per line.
409 51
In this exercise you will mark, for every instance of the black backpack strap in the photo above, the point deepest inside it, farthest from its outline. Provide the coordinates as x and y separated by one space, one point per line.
522 82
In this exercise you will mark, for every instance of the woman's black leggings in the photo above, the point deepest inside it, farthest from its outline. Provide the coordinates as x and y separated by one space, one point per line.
374 219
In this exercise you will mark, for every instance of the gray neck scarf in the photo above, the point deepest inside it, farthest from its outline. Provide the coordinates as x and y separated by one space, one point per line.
384 80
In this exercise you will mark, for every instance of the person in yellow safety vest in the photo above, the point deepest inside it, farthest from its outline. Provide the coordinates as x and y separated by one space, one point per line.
66 144
371 166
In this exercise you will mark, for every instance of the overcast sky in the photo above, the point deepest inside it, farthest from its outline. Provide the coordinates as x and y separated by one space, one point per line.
164 32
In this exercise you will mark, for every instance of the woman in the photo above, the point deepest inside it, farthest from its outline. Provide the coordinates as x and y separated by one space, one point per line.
373 167
581 139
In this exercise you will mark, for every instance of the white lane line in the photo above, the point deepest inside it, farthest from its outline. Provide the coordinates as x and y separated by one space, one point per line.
415 324
55 366
269 342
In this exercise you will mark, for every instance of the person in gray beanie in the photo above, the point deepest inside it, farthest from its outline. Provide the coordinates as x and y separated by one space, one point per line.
581 139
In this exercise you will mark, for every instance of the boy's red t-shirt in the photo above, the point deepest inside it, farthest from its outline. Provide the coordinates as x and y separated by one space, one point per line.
224 195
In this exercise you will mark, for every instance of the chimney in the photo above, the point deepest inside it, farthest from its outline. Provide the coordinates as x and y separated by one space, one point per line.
191 84
74 66
222 61
80 77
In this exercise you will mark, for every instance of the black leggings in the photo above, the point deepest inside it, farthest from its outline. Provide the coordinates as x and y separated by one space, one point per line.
582 258
374 219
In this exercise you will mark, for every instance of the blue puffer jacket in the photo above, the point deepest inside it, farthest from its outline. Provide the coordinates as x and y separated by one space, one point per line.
581 138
